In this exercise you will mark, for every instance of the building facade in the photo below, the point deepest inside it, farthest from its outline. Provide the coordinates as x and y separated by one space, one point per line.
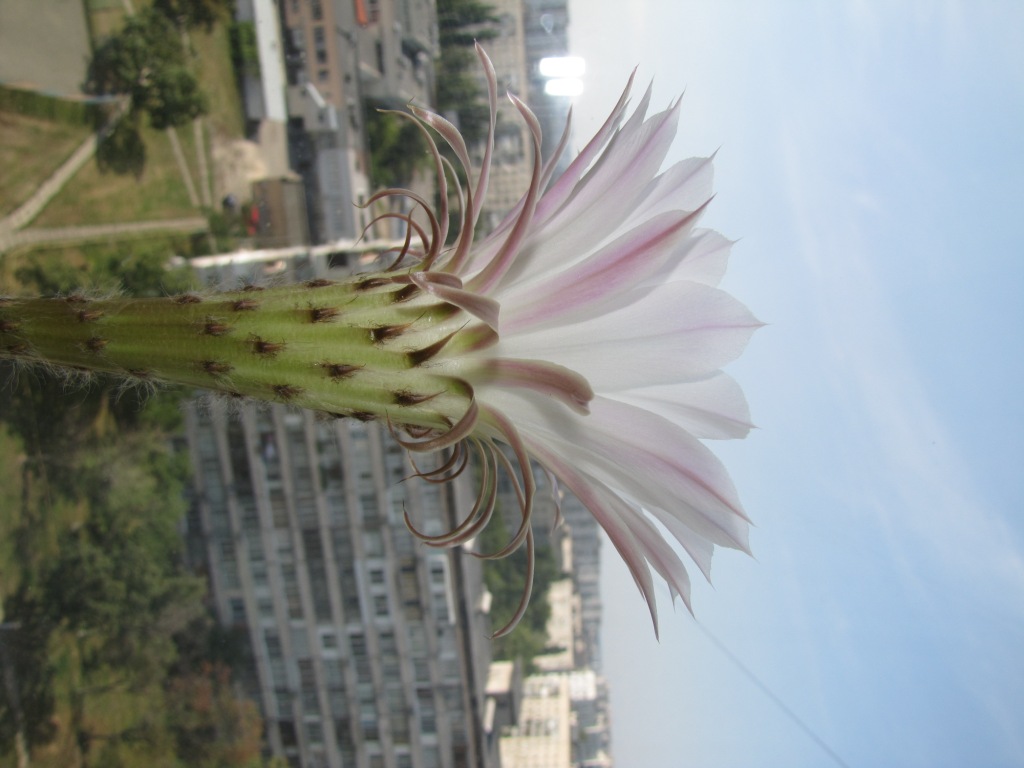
368 649
341 58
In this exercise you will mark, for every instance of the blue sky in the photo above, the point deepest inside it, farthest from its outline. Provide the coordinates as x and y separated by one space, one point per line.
872 162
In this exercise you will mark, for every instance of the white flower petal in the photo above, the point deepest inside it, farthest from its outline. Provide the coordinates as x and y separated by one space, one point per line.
608 298
601 280
602 201
644 457
678 332
711 408
611 513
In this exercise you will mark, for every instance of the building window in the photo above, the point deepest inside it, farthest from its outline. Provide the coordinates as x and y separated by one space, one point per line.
315 733
319 42
287 730
237 606
421 670
266 608
335 676
307 679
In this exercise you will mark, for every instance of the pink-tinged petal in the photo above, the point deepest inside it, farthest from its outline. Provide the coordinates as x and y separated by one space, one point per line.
505 258
607 508
604 286
678 332
645 458
549 167
485 166
559 192
713 408
435 227
660 555
600 280
479 306
608 194
548 379
506 431
439 176
696 546
705 259
601 201
685 186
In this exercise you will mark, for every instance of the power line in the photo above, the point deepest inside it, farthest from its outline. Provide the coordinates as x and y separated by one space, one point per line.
773 697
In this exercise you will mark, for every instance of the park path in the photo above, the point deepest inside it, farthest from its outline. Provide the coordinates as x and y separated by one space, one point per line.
12 227
31 208
101 231
179 158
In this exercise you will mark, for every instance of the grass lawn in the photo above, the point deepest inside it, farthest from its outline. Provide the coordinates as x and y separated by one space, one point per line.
30 150
104 18
95 197
217 76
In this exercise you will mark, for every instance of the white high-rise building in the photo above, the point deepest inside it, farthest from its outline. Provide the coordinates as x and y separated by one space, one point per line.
368 649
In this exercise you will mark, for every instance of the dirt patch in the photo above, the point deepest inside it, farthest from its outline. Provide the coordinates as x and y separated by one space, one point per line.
237 163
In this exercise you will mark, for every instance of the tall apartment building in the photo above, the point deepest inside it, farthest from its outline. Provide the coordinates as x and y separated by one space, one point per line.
563 718
586 573
368 649
512 154
546 35
527 31
338 54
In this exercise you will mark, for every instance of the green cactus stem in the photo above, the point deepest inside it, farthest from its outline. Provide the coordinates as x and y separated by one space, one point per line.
369 347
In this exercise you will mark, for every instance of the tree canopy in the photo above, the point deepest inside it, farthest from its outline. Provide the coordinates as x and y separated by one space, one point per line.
196 13
147 62
115 659
459 90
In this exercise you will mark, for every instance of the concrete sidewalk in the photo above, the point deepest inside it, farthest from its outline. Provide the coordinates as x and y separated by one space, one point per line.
99 232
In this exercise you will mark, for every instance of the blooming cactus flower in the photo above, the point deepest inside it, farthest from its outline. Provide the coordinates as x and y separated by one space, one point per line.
585 333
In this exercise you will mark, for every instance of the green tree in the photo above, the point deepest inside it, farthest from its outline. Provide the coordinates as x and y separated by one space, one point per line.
146 62
123 151
397 148
460 24
103 613
196 13
212 728
504 580
464 22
